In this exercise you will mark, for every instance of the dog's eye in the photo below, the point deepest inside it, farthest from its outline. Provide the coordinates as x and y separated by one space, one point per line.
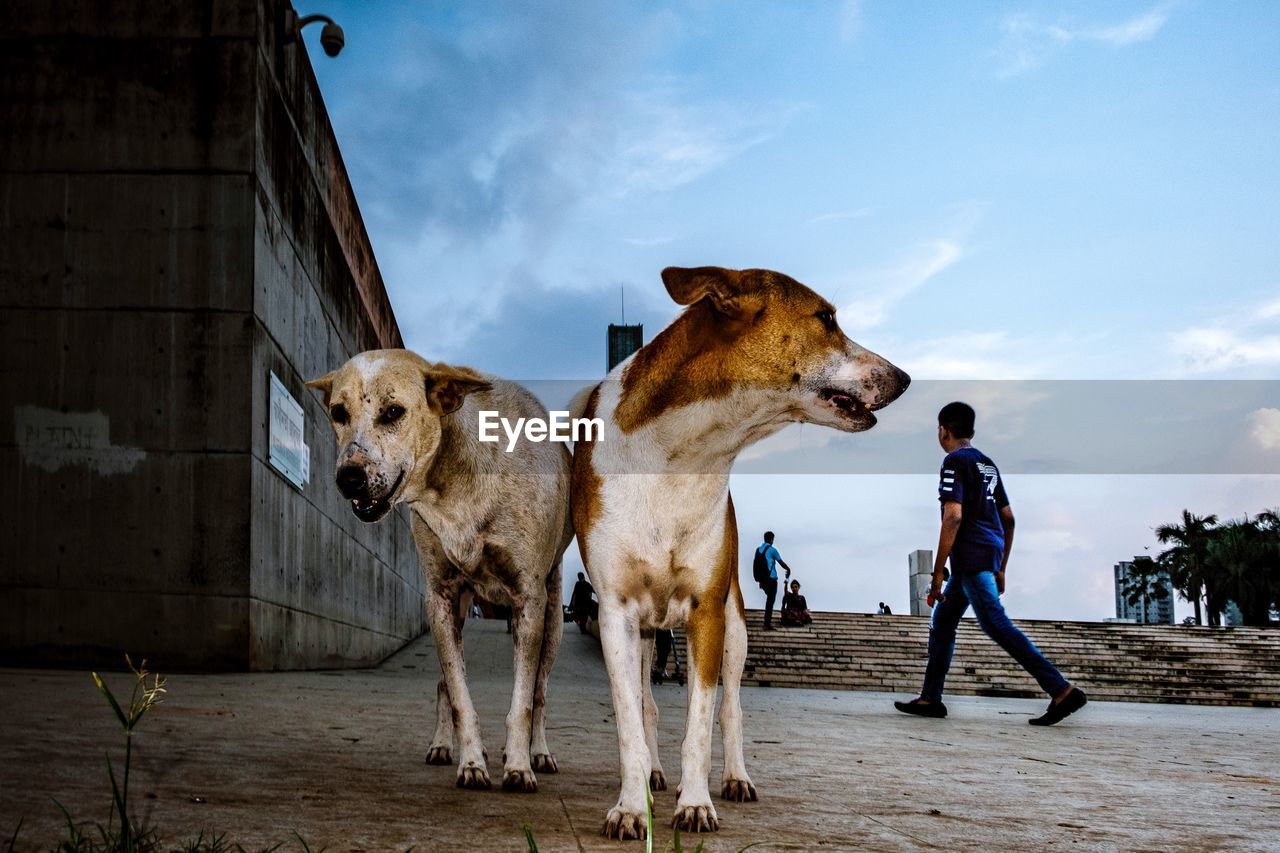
391 414
828 318
339 414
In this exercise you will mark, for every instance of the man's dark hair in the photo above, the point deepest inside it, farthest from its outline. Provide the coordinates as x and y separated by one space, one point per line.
768 536
581 576
958 419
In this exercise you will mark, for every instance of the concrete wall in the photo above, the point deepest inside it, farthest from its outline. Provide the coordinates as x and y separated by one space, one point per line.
177 222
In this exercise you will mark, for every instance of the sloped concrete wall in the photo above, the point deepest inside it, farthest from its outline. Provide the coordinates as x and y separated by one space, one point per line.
176 222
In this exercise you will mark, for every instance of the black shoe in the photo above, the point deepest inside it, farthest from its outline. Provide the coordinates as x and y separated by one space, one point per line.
1059 711
936 710
770 628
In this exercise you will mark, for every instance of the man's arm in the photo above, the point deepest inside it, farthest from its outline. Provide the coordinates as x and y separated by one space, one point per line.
952 513
783 563
1006 519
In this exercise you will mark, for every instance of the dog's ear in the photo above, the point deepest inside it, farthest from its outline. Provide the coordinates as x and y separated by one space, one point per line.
447 386
720 285
324 384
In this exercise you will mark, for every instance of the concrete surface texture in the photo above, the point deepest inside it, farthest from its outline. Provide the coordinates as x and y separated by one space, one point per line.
337 756
175 224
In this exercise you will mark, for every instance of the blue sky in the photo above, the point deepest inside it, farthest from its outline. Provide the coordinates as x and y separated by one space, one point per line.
988 191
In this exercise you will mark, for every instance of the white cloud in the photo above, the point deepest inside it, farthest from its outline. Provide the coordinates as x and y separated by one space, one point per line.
1142 28
1270 311
675 142
649 242
980 355
1027 42
1264 426
849 20
839 215
885 288
1248 340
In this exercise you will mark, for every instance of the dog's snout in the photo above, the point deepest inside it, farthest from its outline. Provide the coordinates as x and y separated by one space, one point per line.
353 482
900 378
885 384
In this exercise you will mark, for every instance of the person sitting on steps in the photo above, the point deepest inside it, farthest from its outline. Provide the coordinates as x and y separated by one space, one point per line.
795 610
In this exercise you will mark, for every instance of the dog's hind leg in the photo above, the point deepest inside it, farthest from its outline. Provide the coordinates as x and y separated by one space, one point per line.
552 630
735 784
441 751
528 627
657 781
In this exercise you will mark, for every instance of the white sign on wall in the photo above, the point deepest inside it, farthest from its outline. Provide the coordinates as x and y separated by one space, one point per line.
287 452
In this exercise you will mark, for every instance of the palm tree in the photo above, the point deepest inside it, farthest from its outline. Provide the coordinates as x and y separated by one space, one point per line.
1187 561
1269 523
1239 556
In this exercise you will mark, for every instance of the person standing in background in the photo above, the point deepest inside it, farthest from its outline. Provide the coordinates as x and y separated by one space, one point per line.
765 569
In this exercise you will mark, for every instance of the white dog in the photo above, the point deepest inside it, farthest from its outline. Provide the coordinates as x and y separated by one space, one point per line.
484 520
754 352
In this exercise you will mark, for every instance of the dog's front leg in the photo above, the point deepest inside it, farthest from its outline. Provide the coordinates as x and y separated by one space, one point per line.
620 639
441 751
441 607
694 811
530 616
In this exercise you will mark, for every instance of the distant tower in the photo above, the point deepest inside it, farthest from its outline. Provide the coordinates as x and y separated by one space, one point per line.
623 339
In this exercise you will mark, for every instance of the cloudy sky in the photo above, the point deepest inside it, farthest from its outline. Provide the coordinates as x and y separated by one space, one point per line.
1003 191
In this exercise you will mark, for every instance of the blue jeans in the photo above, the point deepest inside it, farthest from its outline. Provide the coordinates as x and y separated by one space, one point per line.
979 589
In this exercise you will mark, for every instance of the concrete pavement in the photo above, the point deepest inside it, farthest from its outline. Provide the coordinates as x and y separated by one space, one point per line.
337 756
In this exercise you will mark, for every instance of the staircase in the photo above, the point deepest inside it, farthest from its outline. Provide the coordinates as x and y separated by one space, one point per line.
1128 663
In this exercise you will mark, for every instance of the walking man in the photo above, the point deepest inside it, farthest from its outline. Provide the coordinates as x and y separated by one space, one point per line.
977 536
765 570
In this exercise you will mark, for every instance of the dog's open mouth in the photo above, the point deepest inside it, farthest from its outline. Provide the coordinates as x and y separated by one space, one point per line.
373 509
846 404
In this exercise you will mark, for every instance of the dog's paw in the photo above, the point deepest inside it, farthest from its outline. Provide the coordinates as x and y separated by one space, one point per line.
520 781
739 791
624 824
657 782
696 819
545 762
474 776
439 755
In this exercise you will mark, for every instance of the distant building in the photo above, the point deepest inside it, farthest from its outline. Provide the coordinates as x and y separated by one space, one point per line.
623 340
919 575
1152 610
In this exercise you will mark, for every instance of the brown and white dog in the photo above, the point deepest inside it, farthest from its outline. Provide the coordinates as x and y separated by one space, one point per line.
484 520
754 351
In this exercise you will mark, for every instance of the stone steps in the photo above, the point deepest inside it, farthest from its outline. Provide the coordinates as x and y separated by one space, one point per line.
1144 663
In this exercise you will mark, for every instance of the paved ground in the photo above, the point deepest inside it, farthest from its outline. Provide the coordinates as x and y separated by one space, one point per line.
338 758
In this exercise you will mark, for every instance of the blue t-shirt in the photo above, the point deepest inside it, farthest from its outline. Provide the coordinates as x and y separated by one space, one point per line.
970 478
771 554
